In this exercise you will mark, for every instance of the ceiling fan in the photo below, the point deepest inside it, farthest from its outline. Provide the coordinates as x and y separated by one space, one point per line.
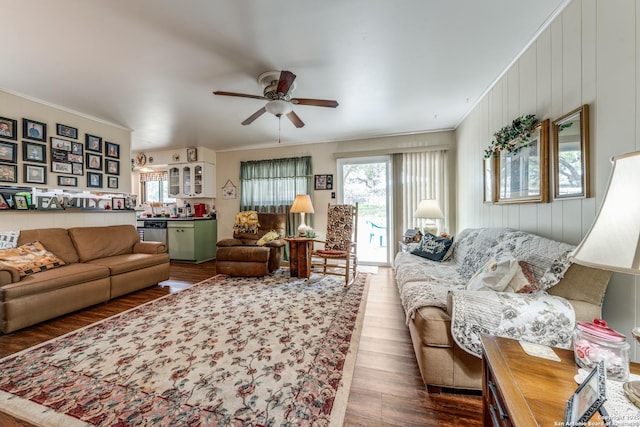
277 89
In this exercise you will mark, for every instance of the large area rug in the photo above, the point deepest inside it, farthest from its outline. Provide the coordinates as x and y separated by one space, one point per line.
227 351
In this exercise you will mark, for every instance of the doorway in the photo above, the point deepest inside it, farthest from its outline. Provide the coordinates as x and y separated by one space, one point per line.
367 181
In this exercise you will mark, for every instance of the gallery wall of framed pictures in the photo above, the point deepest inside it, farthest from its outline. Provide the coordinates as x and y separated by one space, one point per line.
30 153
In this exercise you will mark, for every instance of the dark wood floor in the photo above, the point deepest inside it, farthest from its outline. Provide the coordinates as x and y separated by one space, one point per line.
386 390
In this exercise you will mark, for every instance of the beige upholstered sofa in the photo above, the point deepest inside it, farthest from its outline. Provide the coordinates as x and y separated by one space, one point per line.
433 295
101 263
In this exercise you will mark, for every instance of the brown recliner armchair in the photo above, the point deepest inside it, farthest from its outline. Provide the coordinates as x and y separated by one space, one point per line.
242 256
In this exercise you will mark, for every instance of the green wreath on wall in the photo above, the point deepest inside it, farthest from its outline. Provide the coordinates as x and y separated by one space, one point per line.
514 137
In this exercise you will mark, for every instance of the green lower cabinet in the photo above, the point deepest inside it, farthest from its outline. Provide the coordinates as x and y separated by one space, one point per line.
193 241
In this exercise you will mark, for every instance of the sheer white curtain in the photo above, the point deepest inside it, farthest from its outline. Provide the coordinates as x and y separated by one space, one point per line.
421 175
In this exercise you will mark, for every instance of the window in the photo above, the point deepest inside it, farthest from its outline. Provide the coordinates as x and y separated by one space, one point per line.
155 186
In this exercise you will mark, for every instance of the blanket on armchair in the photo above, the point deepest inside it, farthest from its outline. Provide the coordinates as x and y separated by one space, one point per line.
536 317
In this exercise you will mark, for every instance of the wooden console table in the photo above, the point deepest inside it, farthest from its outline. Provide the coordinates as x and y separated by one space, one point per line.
300 256
523 390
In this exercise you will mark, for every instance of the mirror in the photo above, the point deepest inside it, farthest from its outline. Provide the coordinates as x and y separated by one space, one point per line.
571 154
522 175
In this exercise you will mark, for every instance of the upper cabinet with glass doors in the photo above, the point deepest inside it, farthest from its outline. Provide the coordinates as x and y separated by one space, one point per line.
194 180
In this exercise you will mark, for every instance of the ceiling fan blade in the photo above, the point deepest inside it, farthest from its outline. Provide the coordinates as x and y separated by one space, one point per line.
315 102
295 119
285 82
242 95
254 116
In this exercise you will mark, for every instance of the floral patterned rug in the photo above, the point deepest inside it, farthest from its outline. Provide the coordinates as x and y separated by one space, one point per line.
227 351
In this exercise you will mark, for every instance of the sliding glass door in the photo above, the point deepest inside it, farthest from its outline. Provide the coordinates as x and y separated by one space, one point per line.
367 181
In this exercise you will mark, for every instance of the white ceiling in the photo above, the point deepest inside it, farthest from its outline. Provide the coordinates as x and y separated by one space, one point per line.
395 66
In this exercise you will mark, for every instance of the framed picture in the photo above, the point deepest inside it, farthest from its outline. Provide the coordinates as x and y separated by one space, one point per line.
8 173
192 154
8 152
35 174
112 167
8 128
488 167
588 398
93 143
112 150
3 203
60 167
77 169
229 190
323 182
523 176
94 161
60 144
118 203
77 148
68 131
112 182
571 155
34 130
68 181
34 152
21 202
94 180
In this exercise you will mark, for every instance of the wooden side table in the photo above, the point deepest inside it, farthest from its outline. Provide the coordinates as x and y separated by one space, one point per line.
523 390
299 256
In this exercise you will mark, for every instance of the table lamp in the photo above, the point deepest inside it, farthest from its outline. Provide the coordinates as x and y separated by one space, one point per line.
613 241
302 204
429 210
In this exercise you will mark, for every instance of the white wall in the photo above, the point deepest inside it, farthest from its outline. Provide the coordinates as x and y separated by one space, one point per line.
588 55
17 107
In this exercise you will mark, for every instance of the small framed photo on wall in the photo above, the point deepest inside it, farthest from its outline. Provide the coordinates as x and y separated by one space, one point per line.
35 174
34 130
8 128
68 181
94 180
68 131
112 167
8 152
112 150
34 152
94 161
8 173
93 143
112 182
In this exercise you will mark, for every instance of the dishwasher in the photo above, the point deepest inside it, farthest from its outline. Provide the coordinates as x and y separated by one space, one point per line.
155 231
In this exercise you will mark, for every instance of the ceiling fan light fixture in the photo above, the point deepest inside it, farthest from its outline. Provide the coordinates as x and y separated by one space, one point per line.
278 107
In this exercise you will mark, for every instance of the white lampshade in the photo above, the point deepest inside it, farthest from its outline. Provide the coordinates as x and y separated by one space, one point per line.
613 242
429 209
302 204
278 107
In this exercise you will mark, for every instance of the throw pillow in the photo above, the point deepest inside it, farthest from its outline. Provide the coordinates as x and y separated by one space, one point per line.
494 275
268 237
246 222
9 239
432 247
30 258
523 281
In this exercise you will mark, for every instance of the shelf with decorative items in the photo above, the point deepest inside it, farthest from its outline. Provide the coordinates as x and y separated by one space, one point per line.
53 199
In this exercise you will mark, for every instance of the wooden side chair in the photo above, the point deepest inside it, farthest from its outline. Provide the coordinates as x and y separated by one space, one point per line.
338 256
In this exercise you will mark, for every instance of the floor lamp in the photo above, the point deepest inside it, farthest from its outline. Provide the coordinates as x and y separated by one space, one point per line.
302 205
613 242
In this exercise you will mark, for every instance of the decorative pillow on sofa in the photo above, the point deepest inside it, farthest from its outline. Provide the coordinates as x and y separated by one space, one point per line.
523 281
494 275
246 222
30 258
433 247
9 239
268 237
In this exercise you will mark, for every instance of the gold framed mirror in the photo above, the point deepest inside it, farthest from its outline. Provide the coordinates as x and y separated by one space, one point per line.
523 176
571 155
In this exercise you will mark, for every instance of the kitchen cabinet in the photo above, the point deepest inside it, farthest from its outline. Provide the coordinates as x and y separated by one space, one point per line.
192 180
192 241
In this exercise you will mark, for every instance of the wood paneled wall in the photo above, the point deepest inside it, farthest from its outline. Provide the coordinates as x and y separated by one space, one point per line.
589 54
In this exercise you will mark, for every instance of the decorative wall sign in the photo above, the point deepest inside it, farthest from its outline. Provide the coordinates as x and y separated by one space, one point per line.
229 190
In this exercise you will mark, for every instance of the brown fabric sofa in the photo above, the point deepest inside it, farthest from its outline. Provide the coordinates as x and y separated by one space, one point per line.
101 263
442 362
241 256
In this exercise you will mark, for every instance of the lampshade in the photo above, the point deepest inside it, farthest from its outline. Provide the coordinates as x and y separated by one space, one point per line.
278 107
429 209
613 242
302 204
